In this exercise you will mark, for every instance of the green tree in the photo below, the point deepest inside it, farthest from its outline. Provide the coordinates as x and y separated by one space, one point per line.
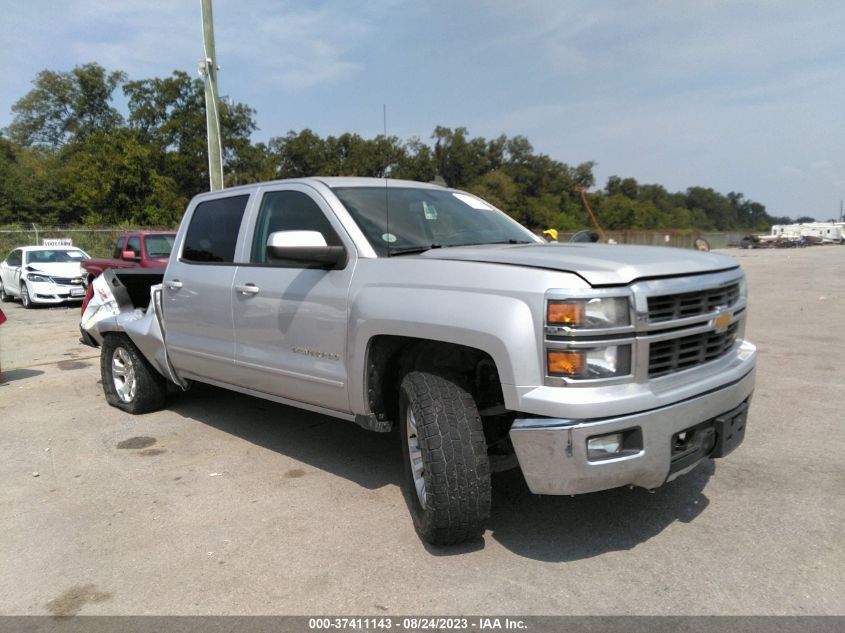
299 154
169 114
459 160
616 212
498 189
111 178
416 162
65 107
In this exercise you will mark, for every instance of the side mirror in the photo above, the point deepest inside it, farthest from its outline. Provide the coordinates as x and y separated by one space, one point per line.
130 256
308 247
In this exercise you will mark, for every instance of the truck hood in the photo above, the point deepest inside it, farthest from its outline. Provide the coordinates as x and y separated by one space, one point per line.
56 269
598 264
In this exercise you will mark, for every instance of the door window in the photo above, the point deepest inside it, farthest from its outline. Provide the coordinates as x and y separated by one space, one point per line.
134 244
288 211
213 233
118 249
14 258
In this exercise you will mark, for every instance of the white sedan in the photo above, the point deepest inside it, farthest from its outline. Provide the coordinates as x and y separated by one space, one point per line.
43 275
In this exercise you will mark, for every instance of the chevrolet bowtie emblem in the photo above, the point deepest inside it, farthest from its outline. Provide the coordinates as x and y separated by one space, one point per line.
721 322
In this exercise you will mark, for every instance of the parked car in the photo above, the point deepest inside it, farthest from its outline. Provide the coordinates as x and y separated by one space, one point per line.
391 303
133 250
43 275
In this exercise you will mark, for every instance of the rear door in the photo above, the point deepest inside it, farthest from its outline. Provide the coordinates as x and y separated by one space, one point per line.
291 320
197 290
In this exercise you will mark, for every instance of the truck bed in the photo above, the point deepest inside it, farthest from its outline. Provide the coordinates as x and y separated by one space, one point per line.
136 283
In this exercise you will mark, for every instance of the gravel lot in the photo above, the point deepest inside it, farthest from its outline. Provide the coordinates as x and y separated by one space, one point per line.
232 505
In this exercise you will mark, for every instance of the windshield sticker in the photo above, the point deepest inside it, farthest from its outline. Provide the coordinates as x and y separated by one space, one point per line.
475 203
389 238
75 254
430 211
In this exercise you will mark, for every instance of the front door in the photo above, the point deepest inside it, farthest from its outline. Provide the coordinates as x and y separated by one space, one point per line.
290 320
10 272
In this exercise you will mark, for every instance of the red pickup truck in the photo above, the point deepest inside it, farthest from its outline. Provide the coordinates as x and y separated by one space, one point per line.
142 249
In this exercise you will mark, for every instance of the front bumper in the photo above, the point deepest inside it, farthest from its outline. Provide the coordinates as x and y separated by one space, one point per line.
552 452
44 292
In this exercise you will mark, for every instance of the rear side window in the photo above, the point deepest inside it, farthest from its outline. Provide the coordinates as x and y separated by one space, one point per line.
288 211
213 232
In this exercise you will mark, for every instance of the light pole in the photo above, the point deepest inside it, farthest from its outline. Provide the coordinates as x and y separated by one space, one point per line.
208 71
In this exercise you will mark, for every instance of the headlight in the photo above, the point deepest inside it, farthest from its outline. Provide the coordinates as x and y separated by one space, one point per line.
743 288
589 314
596 362
34 277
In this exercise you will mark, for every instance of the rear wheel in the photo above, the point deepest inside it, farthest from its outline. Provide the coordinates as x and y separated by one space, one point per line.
446 466
129 381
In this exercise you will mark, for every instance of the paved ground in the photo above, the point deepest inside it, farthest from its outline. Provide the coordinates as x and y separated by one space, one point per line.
236 505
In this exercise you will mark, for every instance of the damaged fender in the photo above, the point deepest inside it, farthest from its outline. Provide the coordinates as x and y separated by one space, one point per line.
111 310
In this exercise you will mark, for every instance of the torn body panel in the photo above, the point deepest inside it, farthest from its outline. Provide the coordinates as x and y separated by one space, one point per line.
111 309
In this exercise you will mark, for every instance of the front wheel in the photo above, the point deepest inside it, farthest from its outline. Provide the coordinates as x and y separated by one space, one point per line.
129 381
447 471
26 300
4 297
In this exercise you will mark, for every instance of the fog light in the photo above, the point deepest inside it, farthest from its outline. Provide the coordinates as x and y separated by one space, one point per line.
604 445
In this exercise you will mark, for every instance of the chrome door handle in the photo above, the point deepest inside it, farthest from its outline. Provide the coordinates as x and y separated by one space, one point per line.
174 284
247 289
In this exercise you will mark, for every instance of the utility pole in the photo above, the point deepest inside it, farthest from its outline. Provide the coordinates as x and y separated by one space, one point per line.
208 71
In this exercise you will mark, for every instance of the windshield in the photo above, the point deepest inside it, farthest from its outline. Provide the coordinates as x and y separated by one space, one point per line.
158 246
397 219
48 256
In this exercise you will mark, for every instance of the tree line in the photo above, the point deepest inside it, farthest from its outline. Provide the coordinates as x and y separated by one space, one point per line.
70 156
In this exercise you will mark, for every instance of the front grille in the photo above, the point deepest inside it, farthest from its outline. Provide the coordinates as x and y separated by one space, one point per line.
691 304
68 281
666 357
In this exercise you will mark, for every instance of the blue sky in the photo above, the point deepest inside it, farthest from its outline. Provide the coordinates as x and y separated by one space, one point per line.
738 96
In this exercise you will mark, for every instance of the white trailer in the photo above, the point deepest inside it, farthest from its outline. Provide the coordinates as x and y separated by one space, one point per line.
825 232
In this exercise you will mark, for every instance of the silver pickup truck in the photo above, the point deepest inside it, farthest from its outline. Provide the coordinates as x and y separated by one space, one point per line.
399 304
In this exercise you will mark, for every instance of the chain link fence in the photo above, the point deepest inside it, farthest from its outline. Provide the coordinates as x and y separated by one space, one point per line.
99 241
668 237
96 241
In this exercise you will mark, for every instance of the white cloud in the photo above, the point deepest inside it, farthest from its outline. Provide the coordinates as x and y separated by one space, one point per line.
296 49
822 165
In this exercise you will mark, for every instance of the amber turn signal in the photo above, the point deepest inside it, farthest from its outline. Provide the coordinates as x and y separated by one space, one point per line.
565 313
566 363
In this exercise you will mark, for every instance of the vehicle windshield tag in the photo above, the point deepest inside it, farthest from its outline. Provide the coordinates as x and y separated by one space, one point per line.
430 211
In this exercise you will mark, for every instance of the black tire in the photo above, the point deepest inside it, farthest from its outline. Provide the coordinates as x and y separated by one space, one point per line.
4 298
455 467
26 300
150 388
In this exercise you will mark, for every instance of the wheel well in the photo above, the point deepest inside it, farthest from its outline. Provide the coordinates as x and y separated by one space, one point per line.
389 358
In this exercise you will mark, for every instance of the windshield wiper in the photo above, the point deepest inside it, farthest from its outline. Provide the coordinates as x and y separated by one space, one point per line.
411 250
511 241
